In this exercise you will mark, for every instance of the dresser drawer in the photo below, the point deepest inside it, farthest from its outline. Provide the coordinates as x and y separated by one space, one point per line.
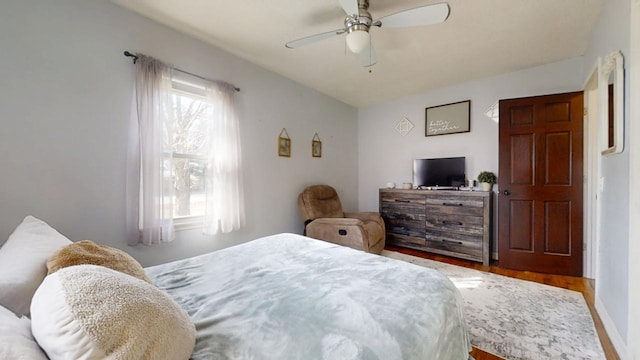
403 207
403 200
405 227
451 244
460 224
406 241
464 240
455 205
403 213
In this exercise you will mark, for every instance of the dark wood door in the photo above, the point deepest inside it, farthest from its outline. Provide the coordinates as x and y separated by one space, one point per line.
540 201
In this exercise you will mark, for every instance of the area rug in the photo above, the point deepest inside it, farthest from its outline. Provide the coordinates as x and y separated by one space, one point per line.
518 319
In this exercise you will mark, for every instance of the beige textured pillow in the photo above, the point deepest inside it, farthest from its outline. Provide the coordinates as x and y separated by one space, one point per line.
89 253
92 312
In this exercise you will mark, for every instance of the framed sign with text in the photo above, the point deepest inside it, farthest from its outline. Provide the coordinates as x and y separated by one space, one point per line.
447 119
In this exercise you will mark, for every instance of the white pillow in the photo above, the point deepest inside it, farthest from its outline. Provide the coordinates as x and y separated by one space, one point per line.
92 312
23 262
16 342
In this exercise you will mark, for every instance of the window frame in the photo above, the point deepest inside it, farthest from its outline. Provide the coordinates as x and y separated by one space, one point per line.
182 86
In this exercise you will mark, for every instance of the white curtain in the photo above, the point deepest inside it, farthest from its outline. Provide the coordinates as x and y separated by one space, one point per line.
149 194
224 185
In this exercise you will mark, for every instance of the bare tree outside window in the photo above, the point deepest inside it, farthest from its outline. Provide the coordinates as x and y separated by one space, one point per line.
188 145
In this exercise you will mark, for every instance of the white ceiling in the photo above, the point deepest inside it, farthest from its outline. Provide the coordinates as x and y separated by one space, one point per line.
481 38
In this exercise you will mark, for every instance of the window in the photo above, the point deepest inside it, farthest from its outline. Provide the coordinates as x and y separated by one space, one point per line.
184 158
187 140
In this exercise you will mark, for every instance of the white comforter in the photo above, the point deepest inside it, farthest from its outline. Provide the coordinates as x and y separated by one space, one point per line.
291 297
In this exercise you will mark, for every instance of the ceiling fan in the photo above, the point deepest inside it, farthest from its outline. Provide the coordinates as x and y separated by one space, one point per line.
359 21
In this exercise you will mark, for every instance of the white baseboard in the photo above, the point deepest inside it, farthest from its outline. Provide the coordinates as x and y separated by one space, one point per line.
618 342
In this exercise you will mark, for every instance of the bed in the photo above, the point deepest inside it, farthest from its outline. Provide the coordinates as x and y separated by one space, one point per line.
291 297
279 297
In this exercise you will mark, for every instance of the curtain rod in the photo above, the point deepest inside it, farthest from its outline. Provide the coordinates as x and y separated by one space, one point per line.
135 58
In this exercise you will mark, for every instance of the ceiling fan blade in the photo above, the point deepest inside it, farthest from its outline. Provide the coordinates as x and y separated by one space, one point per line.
313 38
424 15
350 6
368 56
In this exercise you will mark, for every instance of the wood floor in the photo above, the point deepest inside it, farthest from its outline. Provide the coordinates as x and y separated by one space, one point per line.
585 286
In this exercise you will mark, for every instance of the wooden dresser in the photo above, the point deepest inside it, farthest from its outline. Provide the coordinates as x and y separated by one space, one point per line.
453 223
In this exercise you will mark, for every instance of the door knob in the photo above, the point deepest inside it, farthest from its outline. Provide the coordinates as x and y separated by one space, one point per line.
506 193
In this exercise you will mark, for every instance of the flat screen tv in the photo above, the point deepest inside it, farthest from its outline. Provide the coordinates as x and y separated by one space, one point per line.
439 172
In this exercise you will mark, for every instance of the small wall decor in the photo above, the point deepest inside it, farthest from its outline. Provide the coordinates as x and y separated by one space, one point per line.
316 146
611 103
447 119
284 144
493 112
404 126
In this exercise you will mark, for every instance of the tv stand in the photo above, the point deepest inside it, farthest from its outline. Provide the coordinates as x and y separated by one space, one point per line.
448 222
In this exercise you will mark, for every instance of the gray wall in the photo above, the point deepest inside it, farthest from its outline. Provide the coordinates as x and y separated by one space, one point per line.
385 156
66 98
65 101
633 65
612 34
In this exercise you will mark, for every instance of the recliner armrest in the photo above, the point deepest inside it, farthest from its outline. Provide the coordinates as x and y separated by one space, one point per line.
364 216
374 227
339 221
342 231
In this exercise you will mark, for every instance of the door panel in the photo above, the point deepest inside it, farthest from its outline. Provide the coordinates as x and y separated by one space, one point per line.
557 155
559 111
521 115
540 207
521 231
522 159
557 217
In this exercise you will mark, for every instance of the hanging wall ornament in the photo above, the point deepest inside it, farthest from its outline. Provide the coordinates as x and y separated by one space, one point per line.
316 146
404 126
284 144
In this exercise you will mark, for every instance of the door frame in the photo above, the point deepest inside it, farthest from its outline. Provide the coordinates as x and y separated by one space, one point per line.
633 331
592 173
577 252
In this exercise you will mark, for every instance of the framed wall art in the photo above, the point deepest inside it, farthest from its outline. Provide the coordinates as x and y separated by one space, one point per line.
284 144
316 146
612 103
447 119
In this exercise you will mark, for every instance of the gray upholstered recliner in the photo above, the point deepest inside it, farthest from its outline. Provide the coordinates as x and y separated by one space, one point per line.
321 211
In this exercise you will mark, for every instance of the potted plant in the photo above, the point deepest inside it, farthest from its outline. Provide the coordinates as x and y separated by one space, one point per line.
486 180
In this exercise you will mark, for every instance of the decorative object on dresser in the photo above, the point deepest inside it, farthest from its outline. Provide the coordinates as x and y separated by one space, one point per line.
452 223
471 184
486 180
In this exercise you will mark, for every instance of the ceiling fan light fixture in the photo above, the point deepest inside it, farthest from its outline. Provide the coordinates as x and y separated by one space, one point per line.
358 40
